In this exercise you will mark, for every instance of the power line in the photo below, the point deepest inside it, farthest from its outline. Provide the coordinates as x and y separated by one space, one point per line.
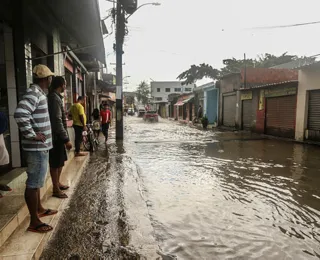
283 26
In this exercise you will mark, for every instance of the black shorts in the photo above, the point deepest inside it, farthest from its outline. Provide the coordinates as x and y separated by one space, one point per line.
57 155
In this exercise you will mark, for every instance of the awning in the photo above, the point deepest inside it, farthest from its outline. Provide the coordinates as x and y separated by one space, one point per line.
179 103
106 87
80 25
188 99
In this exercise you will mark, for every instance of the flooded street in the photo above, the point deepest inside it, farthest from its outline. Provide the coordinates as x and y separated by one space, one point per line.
207 195
228 199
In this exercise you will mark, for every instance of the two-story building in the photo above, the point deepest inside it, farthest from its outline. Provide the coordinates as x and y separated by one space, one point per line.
160 91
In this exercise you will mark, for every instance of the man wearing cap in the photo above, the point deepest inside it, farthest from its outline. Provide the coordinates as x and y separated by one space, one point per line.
33 120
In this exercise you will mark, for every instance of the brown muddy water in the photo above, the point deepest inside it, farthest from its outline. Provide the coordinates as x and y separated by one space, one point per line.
208 195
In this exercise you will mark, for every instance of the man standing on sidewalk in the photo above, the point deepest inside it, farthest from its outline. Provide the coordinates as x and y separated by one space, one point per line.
79 124
60 137
33 120
105 115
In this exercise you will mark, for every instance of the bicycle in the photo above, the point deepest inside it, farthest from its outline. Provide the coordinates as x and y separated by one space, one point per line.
90 141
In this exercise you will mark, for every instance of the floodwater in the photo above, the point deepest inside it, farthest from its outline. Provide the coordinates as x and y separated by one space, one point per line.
209 195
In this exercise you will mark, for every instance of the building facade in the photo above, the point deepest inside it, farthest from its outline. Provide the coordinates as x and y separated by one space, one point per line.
160 91
31 34
308 104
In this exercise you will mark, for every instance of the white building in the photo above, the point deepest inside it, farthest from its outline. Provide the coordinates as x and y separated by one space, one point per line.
160 91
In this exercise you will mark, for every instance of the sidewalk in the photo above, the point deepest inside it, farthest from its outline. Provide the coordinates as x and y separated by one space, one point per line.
15 241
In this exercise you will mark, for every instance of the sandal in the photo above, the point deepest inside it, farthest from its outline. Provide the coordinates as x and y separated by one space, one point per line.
64 187
5 187
42 228
60 195
48 212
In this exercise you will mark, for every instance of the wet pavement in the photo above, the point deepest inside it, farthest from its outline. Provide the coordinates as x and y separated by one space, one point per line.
207 195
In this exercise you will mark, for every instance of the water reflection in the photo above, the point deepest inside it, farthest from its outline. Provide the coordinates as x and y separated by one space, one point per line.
228 198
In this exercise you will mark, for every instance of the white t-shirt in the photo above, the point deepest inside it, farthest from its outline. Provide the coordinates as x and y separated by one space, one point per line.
4 156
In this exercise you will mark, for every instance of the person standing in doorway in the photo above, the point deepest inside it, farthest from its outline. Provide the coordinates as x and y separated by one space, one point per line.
79 124
105 115
33 120
60 137
200 112
4 155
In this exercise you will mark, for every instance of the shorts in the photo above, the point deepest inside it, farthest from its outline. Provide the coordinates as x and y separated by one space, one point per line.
37 169
57 155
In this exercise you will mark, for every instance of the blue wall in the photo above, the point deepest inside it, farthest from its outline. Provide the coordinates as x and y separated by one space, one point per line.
212 105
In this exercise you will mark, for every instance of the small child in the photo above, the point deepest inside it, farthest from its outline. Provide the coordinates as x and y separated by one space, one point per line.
96 126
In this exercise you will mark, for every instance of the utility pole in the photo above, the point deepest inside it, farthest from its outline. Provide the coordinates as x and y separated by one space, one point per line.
119 51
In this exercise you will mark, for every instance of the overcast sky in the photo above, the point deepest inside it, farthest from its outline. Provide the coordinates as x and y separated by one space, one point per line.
165 40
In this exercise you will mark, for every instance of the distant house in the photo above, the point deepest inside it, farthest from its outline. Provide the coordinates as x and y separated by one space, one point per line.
160 91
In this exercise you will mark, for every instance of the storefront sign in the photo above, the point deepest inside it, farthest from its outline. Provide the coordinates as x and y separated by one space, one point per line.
246 95
261 100
278 92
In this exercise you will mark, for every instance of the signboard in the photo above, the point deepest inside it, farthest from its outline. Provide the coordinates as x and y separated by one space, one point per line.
119 92
246 95
278 92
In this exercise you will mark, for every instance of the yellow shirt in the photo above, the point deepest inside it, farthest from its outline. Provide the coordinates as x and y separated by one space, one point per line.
77 110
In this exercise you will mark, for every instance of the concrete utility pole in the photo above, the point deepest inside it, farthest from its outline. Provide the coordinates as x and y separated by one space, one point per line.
120 33
119 51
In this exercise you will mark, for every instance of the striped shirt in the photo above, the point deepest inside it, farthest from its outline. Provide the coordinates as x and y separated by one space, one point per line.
32 117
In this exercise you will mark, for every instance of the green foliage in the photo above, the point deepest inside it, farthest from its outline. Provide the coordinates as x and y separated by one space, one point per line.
143 92
130 100
233 65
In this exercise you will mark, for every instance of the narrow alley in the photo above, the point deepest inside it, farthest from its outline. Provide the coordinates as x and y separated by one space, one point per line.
197 194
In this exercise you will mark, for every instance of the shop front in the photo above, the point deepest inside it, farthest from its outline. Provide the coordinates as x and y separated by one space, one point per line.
277 110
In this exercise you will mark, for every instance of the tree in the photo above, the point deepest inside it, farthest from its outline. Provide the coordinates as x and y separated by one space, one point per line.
233 65
143 92
191 75
130 100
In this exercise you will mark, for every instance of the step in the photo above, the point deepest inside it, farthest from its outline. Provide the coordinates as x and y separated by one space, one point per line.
13 209
16 242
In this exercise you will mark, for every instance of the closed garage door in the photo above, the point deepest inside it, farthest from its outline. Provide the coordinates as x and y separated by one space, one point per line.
247 114
281 116
314 115
229 110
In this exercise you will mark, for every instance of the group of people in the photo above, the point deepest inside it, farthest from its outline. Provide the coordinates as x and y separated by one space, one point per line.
42 121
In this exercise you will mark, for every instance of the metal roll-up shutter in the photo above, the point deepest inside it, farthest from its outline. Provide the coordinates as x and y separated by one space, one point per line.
229 110
247 114
314 115
281 116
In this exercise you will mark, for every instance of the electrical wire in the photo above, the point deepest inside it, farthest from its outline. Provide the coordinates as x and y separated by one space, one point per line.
283 26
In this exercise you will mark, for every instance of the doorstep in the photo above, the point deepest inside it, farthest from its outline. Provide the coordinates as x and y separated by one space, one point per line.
15 242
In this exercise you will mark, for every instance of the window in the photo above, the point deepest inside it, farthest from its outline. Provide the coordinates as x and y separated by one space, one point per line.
158 98
168 90
188 89
177 89
158 89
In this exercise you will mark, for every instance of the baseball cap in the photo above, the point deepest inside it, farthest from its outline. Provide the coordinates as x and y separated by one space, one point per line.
42 71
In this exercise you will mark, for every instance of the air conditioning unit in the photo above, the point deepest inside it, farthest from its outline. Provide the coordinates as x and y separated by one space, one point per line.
130 6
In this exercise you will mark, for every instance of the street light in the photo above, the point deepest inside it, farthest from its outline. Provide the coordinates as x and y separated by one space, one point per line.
154 4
